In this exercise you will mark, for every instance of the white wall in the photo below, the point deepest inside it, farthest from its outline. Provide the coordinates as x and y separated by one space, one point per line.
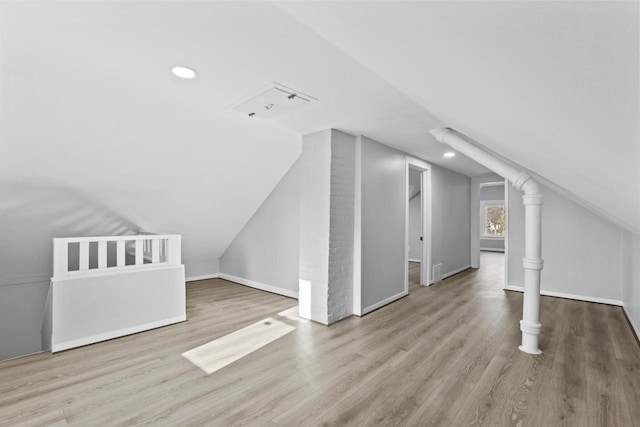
450 200
631 278
383 192
582 252
415 227
266 250
491 193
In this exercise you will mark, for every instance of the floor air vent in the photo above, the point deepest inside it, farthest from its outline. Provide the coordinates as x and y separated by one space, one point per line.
437 273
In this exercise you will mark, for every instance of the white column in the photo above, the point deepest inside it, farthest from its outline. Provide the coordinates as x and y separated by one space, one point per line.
532 199
327 226
532 264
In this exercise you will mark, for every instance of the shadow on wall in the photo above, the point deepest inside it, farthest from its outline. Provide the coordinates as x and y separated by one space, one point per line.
30 216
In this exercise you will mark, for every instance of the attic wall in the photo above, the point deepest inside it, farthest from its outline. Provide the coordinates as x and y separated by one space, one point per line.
631 279
582 252
266 250
451 221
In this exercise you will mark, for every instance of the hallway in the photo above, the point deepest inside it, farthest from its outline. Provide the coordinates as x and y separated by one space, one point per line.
443 356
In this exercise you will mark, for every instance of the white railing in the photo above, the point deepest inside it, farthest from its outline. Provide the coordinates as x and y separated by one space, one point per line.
87 256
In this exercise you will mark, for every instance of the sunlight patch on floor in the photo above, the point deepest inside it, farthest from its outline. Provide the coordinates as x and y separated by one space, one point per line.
220 352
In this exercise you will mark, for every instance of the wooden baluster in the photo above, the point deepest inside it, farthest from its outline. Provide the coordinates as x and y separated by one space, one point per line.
121 254
139 252
155 251
83 261
60 258
102 254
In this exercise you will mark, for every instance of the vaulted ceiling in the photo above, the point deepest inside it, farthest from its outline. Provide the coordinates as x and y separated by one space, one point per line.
90 109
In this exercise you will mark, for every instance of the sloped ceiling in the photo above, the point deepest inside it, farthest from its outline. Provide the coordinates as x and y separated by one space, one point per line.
90 111
552 86
88 106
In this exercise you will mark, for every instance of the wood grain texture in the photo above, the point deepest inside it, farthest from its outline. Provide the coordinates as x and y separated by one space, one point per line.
442 356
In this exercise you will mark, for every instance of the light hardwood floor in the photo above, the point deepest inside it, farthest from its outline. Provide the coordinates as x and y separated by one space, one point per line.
443 356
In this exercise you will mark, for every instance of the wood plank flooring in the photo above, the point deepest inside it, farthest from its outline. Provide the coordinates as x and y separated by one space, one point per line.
443 356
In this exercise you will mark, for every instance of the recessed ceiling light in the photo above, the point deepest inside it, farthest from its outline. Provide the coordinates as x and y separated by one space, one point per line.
184 72
449 154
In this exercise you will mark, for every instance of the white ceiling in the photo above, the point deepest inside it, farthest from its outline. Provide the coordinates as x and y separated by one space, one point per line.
552 86
88 103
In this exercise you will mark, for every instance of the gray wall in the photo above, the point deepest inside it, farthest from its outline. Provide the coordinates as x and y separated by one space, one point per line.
415 228
450 200
383 193
631 278
582 252
267 248
30 216
491 193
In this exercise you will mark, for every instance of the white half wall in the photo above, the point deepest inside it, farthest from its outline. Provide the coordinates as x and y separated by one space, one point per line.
582 252
450 230
86 310
266 250
631 278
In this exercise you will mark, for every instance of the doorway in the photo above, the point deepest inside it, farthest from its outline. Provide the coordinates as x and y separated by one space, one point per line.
417 224
491 234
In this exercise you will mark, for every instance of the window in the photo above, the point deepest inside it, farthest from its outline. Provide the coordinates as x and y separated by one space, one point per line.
492 219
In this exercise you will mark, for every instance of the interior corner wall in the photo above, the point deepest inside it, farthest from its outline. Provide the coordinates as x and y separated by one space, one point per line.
201 269
582 251
266 251
383 193
450 219
631 278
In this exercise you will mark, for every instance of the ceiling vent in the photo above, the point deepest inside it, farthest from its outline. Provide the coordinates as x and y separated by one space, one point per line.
272 101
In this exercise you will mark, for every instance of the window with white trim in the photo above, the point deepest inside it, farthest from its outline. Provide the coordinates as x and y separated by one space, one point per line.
492 219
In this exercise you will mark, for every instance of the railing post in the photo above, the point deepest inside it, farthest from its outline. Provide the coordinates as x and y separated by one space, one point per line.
174 255
60 258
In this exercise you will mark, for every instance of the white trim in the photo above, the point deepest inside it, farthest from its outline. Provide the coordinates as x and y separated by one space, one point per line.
257 285
633 324
492 237
114 271
65 345
490 184
454 272
517 288
26 280
414 260
24 355
492 250
384 302
357 230
425 213
203 277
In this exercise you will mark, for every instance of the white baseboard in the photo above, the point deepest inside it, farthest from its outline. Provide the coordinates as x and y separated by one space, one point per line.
204 277
384 302
454 272
262 286
634 325
65 345
568 296
492 249
414 260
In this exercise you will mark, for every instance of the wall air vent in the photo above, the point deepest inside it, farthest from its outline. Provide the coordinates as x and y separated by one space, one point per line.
272 101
